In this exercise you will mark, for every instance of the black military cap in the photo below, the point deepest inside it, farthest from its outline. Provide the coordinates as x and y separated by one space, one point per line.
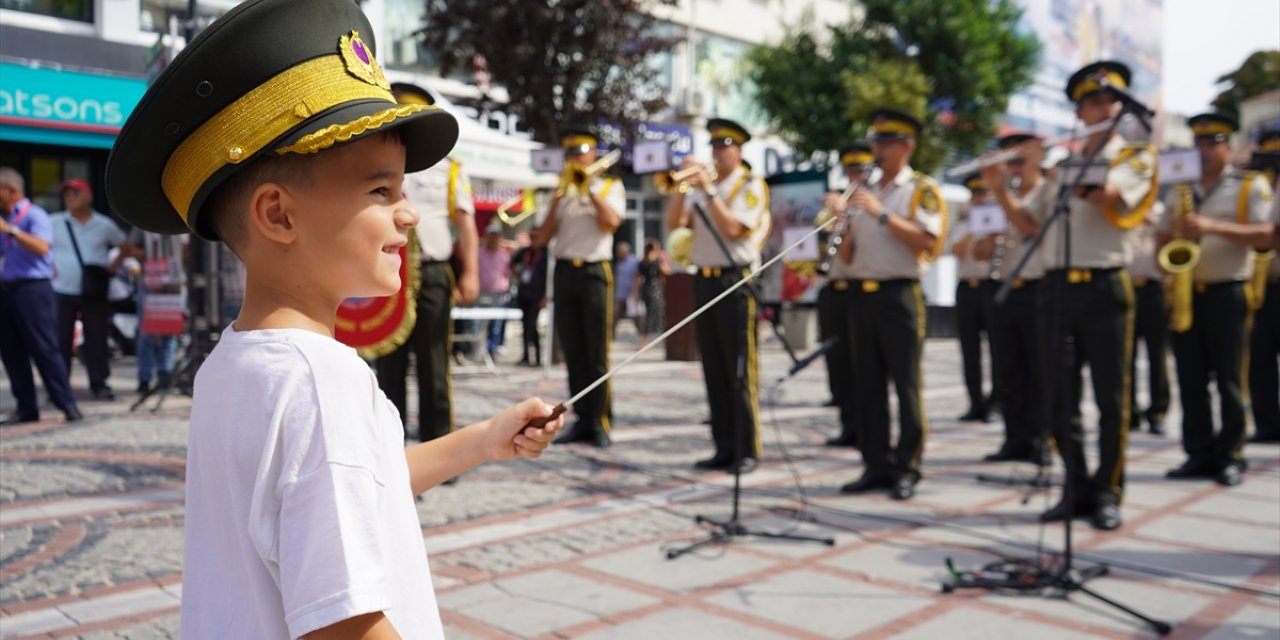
856 154
270 76
975 183
406 93
892 123
579 138
1014 139
1269 141
725 131
1096 77
1214 126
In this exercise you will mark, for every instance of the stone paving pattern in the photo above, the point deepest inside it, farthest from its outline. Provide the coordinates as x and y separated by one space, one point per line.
572 545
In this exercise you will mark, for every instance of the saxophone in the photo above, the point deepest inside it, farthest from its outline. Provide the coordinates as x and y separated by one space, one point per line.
1179 258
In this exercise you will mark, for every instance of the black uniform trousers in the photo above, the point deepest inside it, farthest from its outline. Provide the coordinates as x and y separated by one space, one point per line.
583 320
1151 326
430 343
1214 346
889 330
1017 336
95 318
1094 311
1264 364
724 332
973 318
27 321
834 300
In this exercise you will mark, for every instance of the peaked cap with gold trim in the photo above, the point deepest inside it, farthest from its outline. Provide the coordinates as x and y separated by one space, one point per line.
1213 125
406 93
856 154
269 77
579 138
1096 77
726 131
893 123
1014 139
975 182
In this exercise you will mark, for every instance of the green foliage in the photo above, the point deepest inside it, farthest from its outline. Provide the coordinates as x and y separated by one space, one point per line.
560 61
953 64
1259 74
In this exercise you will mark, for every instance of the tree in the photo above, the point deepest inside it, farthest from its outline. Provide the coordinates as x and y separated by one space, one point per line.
954 65
560 61
1259 74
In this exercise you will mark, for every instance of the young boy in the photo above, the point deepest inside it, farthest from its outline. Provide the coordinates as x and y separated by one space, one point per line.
276 132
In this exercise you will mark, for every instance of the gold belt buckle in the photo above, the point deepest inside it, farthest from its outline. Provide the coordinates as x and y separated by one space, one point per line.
840 285
1019 283
973 283
870 286
1076 276
577 262
1202 287
711 272
1139 281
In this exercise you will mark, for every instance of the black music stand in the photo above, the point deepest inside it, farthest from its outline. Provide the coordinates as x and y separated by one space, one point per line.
1066 578
725 531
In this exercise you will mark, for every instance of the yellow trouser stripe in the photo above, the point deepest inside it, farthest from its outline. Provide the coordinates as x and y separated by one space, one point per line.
608 340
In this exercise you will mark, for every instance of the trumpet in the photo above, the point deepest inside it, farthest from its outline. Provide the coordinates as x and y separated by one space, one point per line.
579 176
673 181
1010 154
840 230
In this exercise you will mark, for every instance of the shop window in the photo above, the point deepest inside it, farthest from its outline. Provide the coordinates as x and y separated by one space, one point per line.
81 10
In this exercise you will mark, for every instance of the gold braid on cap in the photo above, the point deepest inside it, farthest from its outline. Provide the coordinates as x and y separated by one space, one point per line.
338 133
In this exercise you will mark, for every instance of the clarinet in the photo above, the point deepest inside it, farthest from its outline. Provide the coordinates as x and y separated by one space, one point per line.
840 230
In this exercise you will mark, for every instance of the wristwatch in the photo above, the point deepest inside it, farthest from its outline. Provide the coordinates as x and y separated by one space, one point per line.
884 218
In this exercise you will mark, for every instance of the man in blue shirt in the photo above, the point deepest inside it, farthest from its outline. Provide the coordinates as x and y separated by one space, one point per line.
27 316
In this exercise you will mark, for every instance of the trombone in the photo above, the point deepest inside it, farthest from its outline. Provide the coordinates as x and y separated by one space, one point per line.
673 181
507 204
577 176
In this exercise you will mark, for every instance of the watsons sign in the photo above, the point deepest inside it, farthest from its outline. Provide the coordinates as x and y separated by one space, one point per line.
69 108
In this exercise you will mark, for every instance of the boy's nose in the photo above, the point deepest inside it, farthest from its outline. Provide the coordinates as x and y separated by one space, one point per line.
406 216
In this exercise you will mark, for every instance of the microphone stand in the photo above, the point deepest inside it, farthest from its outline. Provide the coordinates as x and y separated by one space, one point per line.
1067 579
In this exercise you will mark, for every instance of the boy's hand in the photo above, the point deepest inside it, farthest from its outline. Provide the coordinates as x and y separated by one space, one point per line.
509 436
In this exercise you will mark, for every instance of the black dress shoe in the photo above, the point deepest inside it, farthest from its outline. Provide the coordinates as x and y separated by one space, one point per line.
714 463
743 468
1059 512
1107 518
1156 425
842 440
830 403
867 482
973 416
20 418
576 433
144 386
904 488
1230 476
600 439
1006 454
1193 468
1264 438
104 393
73 415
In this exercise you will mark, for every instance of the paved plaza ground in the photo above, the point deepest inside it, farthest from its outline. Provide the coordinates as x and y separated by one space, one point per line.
572 545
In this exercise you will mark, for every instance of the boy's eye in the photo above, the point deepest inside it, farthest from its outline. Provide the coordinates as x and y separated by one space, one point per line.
384 192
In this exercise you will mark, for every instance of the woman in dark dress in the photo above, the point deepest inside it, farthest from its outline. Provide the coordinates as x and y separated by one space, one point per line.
650 274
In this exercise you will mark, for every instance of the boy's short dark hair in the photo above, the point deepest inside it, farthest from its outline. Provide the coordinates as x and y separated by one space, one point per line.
226 205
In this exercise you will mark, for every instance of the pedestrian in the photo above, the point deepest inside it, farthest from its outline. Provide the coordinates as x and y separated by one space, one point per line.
82 238
162 258
27 307
300 517
494 265
529 265
625 264
652 272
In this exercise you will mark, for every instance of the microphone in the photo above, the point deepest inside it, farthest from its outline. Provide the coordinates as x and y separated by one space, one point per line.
1141 110
817 352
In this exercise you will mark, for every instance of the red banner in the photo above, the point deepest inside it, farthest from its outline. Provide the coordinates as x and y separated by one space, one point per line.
378 326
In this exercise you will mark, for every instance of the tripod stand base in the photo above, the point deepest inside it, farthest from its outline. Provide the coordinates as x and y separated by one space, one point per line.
725 531
1025 576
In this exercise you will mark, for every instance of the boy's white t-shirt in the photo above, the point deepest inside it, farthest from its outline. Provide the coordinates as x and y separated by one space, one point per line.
299 510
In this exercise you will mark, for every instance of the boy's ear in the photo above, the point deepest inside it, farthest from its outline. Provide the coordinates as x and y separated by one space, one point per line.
271 213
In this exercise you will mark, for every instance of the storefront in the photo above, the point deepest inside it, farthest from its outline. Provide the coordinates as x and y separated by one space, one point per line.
56 125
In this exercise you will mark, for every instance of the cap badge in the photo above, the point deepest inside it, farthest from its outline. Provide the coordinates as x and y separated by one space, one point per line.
360 62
